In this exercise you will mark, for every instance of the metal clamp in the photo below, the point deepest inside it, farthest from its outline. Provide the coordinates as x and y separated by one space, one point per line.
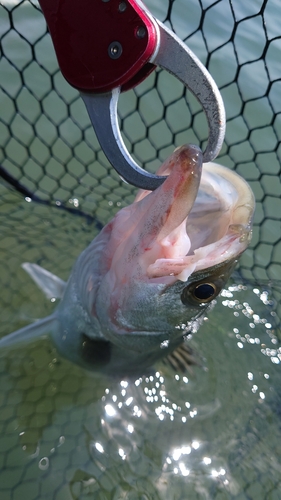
174 56
108 46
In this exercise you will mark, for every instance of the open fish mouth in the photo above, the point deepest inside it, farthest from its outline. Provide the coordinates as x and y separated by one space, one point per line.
208 217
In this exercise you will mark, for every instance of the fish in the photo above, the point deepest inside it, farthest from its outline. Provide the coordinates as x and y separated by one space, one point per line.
149 277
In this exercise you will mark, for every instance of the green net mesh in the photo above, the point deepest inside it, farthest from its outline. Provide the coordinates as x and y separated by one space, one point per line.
48 148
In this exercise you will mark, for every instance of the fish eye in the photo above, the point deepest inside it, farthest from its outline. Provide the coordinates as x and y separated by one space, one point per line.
199 293
204 291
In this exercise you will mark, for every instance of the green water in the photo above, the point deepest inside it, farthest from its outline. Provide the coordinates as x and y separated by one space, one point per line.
212 433
66 434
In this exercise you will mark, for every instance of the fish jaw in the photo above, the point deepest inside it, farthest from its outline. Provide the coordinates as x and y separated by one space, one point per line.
153 227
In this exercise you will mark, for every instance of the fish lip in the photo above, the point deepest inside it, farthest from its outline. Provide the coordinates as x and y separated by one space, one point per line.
245 205
219 269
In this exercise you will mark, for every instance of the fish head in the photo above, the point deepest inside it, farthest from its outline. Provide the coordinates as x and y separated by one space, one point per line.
169 254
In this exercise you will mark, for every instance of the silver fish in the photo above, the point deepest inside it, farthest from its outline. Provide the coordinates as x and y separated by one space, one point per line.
147 279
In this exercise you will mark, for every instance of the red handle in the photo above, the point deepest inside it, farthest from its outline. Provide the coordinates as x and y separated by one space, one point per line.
101 44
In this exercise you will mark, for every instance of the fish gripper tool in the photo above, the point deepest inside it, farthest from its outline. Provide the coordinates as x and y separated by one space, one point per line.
105 47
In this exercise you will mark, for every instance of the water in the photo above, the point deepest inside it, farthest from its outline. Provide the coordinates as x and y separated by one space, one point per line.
211 433
66 434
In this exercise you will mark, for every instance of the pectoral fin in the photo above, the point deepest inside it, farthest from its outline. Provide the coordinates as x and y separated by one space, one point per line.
50 284
181 359
28 333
